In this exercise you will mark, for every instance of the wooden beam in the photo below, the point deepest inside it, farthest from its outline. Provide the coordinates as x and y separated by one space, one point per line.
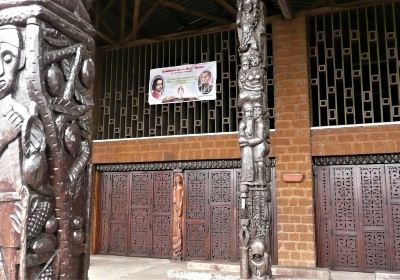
135 22
143 19
122 21
107 7
184 10
228 7
285 9
105 38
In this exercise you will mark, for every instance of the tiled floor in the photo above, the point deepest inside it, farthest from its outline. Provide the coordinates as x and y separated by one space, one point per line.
129 268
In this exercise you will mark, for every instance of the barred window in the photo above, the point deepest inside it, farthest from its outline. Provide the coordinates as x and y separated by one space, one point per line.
123 109
354 66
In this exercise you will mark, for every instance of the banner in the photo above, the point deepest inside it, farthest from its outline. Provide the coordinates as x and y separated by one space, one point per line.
192 82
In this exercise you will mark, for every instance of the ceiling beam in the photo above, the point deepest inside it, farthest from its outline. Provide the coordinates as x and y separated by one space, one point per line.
105 38
122 22
179 8
135 22
285 9
143 20
228 7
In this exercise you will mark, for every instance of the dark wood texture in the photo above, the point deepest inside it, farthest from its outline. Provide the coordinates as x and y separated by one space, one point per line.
136 213
357 217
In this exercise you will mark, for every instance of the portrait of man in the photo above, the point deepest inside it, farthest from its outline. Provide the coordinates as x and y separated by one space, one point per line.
205 82
157 87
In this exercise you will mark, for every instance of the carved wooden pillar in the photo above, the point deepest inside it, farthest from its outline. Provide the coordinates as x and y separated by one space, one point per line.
177 217
46 76
255 184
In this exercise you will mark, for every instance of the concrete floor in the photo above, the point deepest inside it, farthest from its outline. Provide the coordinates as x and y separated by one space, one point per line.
104 267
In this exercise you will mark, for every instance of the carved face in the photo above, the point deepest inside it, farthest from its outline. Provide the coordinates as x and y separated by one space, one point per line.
254 59
248 6
9 58
245 63
247 111
257 110
257 250
178 180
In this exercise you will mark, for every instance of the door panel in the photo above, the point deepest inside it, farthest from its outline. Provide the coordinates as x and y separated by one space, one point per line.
119 214
196 198
140 219
162 199
355 213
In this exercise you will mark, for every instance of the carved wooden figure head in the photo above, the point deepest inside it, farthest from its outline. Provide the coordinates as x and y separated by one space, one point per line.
10 57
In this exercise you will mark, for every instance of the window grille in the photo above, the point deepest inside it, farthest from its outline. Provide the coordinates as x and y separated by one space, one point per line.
122 106
354 66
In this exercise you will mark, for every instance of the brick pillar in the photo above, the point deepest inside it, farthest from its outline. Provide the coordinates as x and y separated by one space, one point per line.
296 226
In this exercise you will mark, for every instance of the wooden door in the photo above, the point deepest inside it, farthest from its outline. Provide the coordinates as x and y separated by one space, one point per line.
141 186
356 217
136 213
210 215
196 232
118 227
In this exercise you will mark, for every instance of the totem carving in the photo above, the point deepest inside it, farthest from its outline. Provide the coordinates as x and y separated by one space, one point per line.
177 218
46 78
255 182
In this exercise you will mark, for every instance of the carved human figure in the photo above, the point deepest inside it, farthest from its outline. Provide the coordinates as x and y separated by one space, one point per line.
10 53
246 133
251 78
259 259
247 20
177 216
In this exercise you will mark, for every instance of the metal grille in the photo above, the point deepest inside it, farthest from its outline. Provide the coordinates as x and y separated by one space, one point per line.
355 66
123 108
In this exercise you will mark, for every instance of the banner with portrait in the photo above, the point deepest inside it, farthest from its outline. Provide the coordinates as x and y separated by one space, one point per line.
191 82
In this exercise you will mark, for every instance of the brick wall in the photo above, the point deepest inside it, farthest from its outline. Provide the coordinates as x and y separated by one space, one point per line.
211 147
371 139
296 235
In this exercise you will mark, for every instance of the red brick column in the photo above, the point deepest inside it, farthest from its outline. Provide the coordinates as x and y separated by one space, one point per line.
296 226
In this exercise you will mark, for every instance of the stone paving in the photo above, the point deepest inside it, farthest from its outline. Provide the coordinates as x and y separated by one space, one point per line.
104 267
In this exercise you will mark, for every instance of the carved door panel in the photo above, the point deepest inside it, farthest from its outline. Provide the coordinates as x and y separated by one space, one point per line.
118 215
162 226
140 241
222 215
354 221
196 245
105 206
392 174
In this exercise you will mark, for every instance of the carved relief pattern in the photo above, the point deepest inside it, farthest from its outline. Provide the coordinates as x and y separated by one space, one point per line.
394 181
375 250
395 219
196 195
346 251
371 180
343 182
119 232
119 198
104 236
141 184
105 191
162 190
220 183
220 230
161 235
196 234
140 232
45 126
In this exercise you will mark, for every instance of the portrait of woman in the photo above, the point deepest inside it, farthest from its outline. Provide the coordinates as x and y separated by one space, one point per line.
157 87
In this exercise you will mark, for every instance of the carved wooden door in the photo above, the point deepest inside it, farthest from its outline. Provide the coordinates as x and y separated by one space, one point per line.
162 223
136 213
118 228
210 215
196 245
140 243
357 217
